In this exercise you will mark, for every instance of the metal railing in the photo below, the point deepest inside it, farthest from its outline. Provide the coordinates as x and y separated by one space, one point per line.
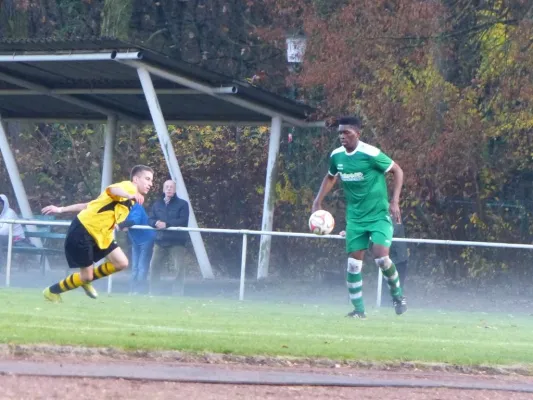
245 233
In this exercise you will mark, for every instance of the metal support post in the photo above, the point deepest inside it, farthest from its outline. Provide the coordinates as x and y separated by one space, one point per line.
269 198
380 287
16 182
9 255
243 266
173 166
107 167
109 144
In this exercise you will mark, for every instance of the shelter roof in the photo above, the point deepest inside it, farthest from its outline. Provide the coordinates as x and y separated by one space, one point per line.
86 80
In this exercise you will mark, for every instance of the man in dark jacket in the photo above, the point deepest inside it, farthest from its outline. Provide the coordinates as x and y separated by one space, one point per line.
167 212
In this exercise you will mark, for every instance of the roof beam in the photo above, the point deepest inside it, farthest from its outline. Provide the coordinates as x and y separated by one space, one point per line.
177 122
101 56
67 98
209 90
115 91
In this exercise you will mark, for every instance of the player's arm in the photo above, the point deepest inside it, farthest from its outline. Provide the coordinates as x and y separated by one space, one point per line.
134 218
117 191
327 184
397 184
73 208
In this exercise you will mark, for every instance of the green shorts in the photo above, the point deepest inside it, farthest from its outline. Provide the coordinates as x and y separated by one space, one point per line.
359 235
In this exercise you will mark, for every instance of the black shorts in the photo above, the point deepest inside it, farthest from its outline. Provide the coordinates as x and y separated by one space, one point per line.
81 249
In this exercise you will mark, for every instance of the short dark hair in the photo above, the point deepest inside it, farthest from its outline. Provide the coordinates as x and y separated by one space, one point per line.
135 171
354 121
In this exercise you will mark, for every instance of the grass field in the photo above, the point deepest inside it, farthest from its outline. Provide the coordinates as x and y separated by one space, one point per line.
254 328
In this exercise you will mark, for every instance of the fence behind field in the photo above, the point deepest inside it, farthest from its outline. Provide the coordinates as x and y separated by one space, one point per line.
247 234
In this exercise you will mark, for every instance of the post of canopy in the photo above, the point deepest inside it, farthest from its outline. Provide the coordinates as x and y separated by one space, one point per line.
107 167
13 172
173 166
109 144
270 198
16 181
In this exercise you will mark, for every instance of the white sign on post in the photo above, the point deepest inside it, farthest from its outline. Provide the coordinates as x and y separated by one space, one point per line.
295 49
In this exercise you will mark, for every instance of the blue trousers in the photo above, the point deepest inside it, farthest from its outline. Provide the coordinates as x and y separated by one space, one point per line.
141 255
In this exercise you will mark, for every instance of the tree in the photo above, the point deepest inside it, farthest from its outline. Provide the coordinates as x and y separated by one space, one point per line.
443 86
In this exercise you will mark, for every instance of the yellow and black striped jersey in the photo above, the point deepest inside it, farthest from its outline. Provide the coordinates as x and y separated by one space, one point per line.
104 212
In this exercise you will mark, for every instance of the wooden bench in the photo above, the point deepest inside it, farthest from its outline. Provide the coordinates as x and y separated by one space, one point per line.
46 235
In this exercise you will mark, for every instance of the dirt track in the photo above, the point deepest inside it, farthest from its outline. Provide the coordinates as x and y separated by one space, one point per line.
165 380
25 387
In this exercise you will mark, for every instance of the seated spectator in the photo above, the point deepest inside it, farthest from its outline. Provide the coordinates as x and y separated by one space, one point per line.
18 232
169 211
19 239
142 246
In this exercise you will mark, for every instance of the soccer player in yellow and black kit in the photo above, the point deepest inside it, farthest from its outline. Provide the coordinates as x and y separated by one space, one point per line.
90 237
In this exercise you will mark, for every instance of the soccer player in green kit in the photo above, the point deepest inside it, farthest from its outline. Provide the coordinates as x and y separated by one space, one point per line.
362 168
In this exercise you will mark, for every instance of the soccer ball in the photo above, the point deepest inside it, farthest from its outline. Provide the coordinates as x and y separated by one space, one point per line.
321 222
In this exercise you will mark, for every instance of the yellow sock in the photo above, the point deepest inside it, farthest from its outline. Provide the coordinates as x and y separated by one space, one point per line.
69 283
103 270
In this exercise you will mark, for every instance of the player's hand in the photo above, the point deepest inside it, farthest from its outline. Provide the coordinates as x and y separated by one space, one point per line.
50 210
139 198
342 233
160 225
394 209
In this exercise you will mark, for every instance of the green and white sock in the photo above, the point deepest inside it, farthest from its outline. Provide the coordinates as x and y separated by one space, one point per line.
389 271
354 281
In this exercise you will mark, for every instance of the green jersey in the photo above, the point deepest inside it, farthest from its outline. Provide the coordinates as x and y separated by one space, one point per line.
362 173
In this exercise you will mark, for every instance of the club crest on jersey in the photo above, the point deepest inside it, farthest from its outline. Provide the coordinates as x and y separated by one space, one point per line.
340 167
354 177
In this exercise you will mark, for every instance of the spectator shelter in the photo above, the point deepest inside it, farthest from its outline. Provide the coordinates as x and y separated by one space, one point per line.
107 81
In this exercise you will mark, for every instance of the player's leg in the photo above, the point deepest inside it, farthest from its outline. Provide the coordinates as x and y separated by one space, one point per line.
381 237
116 261
103 267
356 244
71 282
79 254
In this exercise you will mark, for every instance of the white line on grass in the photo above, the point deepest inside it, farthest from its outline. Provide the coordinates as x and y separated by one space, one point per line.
120 326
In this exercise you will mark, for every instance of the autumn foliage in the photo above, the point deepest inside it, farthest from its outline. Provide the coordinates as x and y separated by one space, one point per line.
444 86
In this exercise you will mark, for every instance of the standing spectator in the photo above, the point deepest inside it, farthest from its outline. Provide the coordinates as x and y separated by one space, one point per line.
142 247
167 212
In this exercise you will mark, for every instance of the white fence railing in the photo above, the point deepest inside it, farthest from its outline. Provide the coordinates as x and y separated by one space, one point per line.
245 233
